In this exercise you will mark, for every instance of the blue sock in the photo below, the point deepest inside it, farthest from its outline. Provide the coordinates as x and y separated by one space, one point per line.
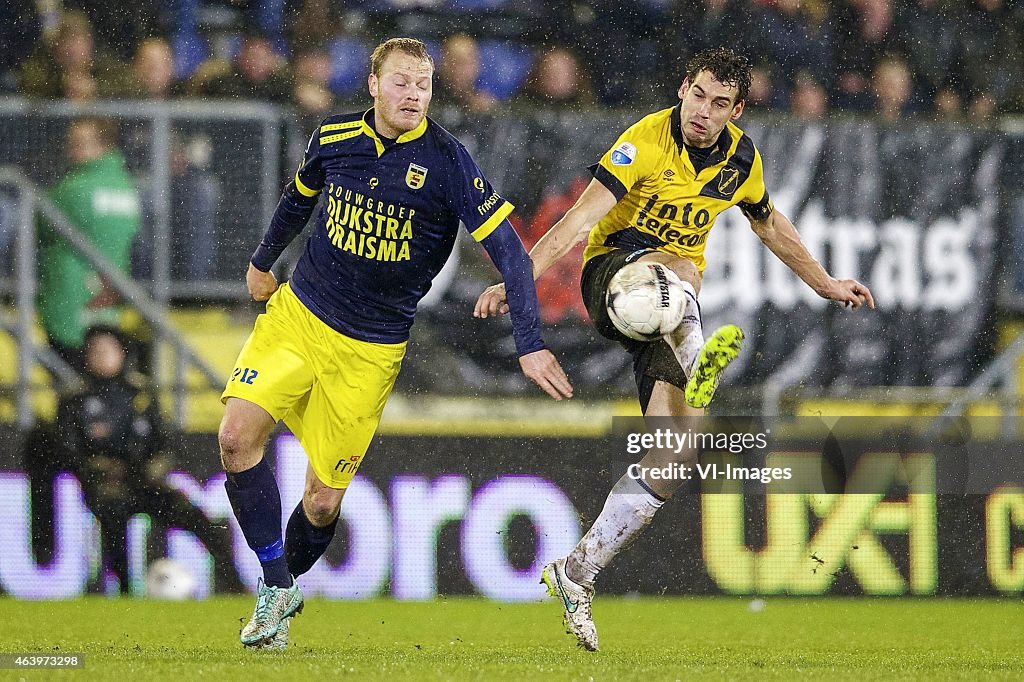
304 543
256 502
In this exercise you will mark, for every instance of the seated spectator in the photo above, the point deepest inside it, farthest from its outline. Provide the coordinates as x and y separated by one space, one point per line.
456 79
196 195
892 88
794 35
557 79
704 24
983 106
119 26
262 17
153 71
928 37
865 33
197 192
20 32
257 73
991 36
765 94
313 26
70 67
808 100
948 104
112 430
312 94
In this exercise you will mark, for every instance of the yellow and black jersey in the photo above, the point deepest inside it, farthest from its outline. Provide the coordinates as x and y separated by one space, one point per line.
664 202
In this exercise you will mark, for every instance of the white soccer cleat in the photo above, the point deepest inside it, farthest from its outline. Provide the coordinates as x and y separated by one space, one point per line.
576 601
278 642
274 605
721 348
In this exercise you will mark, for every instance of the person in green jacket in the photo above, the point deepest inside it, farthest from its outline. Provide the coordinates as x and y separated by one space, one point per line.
100 198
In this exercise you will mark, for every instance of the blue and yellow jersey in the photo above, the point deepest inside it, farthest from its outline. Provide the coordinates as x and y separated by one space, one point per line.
664 202
388 220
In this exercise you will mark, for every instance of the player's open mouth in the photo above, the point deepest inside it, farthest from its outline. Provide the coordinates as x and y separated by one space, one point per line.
406 110
698 127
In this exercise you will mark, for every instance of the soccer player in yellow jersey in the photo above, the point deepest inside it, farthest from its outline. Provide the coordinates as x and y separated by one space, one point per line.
654 197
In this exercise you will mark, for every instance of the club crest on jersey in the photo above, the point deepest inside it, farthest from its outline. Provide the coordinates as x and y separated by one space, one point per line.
624 154
727 181
415 176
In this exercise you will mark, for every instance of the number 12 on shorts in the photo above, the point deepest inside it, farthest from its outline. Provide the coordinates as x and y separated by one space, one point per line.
244 375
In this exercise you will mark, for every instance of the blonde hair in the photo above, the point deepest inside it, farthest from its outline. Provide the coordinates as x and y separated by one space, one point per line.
410 46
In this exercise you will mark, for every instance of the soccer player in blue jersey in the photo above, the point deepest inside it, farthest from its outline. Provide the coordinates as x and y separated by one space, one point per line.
325 355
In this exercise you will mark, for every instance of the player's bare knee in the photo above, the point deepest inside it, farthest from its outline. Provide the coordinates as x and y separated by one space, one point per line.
322 505
240 447
682 267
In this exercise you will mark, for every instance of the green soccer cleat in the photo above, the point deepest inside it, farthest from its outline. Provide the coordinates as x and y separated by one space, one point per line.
718 351
274 605
575 600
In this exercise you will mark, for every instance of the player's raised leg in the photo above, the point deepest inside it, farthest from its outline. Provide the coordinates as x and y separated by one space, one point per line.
703 361
688 338
721 348
256 502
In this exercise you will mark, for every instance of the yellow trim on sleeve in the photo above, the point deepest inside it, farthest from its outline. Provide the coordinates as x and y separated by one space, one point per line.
303 190
491 224
339 126
340 136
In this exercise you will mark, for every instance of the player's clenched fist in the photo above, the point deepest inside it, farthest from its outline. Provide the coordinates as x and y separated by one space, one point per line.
260 284
543 369
492 302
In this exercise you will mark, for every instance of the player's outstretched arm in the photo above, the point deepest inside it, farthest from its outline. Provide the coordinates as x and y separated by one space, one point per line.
575 225
538 363
543 369
780 236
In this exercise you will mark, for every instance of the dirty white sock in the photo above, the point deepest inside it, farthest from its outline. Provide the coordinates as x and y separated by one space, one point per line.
688 338
630 507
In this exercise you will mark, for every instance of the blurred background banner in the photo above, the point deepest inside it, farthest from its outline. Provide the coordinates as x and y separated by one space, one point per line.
431 516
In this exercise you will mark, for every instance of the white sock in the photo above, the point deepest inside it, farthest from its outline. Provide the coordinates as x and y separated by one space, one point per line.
688 338
630 507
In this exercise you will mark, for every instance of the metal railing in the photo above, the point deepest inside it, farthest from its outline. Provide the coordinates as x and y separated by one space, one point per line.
244 148
30 201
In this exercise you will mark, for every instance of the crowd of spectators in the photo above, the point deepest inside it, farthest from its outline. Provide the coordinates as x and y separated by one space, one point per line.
946 58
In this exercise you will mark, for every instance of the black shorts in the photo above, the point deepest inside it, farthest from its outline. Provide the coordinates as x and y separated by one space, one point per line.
652 360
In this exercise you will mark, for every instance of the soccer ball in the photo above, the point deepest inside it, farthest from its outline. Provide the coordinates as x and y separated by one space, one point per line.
169 579
646 301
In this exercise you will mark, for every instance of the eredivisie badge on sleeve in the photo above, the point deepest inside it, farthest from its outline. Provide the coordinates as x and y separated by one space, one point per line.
624 154
415 176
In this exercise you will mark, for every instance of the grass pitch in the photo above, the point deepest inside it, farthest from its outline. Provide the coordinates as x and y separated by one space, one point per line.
455 639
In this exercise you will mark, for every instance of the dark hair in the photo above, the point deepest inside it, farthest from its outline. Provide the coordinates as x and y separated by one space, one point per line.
104 330
409 46
726 66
